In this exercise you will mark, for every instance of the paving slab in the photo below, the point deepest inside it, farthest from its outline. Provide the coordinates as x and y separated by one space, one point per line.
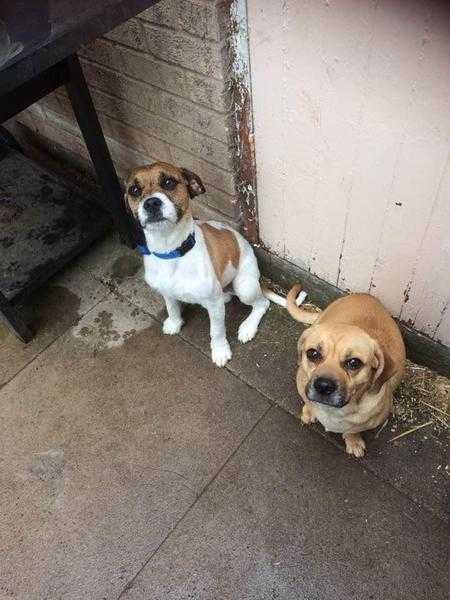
50 312
290 518
106 440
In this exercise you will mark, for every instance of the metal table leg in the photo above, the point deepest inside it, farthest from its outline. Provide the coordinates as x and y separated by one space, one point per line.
11 317
88 122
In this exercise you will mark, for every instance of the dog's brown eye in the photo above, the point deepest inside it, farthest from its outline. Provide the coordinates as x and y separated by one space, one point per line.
168 183
313 355
134 190
353 364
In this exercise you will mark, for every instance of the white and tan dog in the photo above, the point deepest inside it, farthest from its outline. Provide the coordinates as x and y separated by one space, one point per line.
190 261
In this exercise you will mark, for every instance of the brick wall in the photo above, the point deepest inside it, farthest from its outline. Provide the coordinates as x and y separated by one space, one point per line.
157 82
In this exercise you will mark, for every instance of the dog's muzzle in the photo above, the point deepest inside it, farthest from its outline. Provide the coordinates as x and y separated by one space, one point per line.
325 390
153 209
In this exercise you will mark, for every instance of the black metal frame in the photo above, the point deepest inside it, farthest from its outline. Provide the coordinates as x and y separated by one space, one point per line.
68 72
11 317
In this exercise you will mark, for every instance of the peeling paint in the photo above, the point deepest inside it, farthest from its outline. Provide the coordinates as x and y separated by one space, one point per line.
239 84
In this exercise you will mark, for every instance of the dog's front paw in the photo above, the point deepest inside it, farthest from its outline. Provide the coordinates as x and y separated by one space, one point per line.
307 416
247 331
221 353
172 326
354 444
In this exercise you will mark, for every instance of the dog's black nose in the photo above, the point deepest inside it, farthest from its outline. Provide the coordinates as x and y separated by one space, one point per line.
325 386
152 203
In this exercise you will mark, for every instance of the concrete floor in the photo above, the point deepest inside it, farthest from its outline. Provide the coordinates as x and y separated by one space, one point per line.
131 467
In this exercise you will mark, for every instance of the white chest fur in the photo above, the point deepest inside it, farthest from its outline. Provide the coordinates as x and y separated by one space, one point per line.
189 278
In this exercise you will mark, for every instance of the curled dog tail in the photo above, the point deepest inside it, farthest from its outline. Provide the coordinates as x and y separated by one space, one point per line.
277 299
297 313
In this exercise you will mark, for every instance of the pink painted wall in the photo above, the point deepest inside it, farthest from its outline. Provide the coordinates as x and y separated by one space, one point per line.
352 132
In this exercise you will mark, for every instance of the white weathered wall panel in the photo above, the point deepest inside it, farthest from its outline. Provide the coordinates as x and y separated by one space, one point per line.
429 288
352 130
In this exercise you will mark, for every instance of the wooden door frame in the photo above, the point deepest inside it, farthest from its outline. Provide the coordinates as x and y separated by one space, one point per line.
233 15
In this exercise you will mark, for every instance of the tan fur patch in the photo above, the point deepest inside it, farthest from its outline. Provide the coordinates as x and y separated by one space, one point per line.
223 248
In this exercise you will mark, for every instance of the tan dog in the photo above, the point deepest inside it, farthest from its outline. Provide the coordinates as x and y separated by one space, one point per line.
350 362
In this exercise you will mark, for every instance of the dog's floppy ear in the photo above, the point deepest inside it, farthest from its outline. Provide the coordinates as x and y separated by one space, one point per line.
384 368
194 183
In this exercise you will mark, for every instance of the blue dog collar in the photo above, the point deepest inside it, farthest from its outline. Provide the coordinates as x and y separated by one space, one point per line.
187 245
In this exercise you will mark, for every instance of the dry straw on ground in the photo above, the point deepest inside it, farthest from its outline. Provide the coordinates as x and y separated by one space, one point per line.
422 400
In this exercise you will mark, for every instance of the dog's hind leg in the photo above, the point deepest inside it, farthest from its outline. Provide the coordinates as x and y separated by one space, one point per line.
248 290
173 324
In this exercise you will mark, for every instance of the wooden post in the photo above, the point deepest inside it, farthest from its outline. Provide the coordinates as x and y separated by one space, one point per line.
234 14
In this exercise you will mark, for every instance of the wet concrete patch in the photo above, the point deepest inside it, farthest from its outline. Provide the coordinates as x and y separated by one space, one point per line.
110 261
49 311
110 324
48 465
4 333
124 267
87 289
136 290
